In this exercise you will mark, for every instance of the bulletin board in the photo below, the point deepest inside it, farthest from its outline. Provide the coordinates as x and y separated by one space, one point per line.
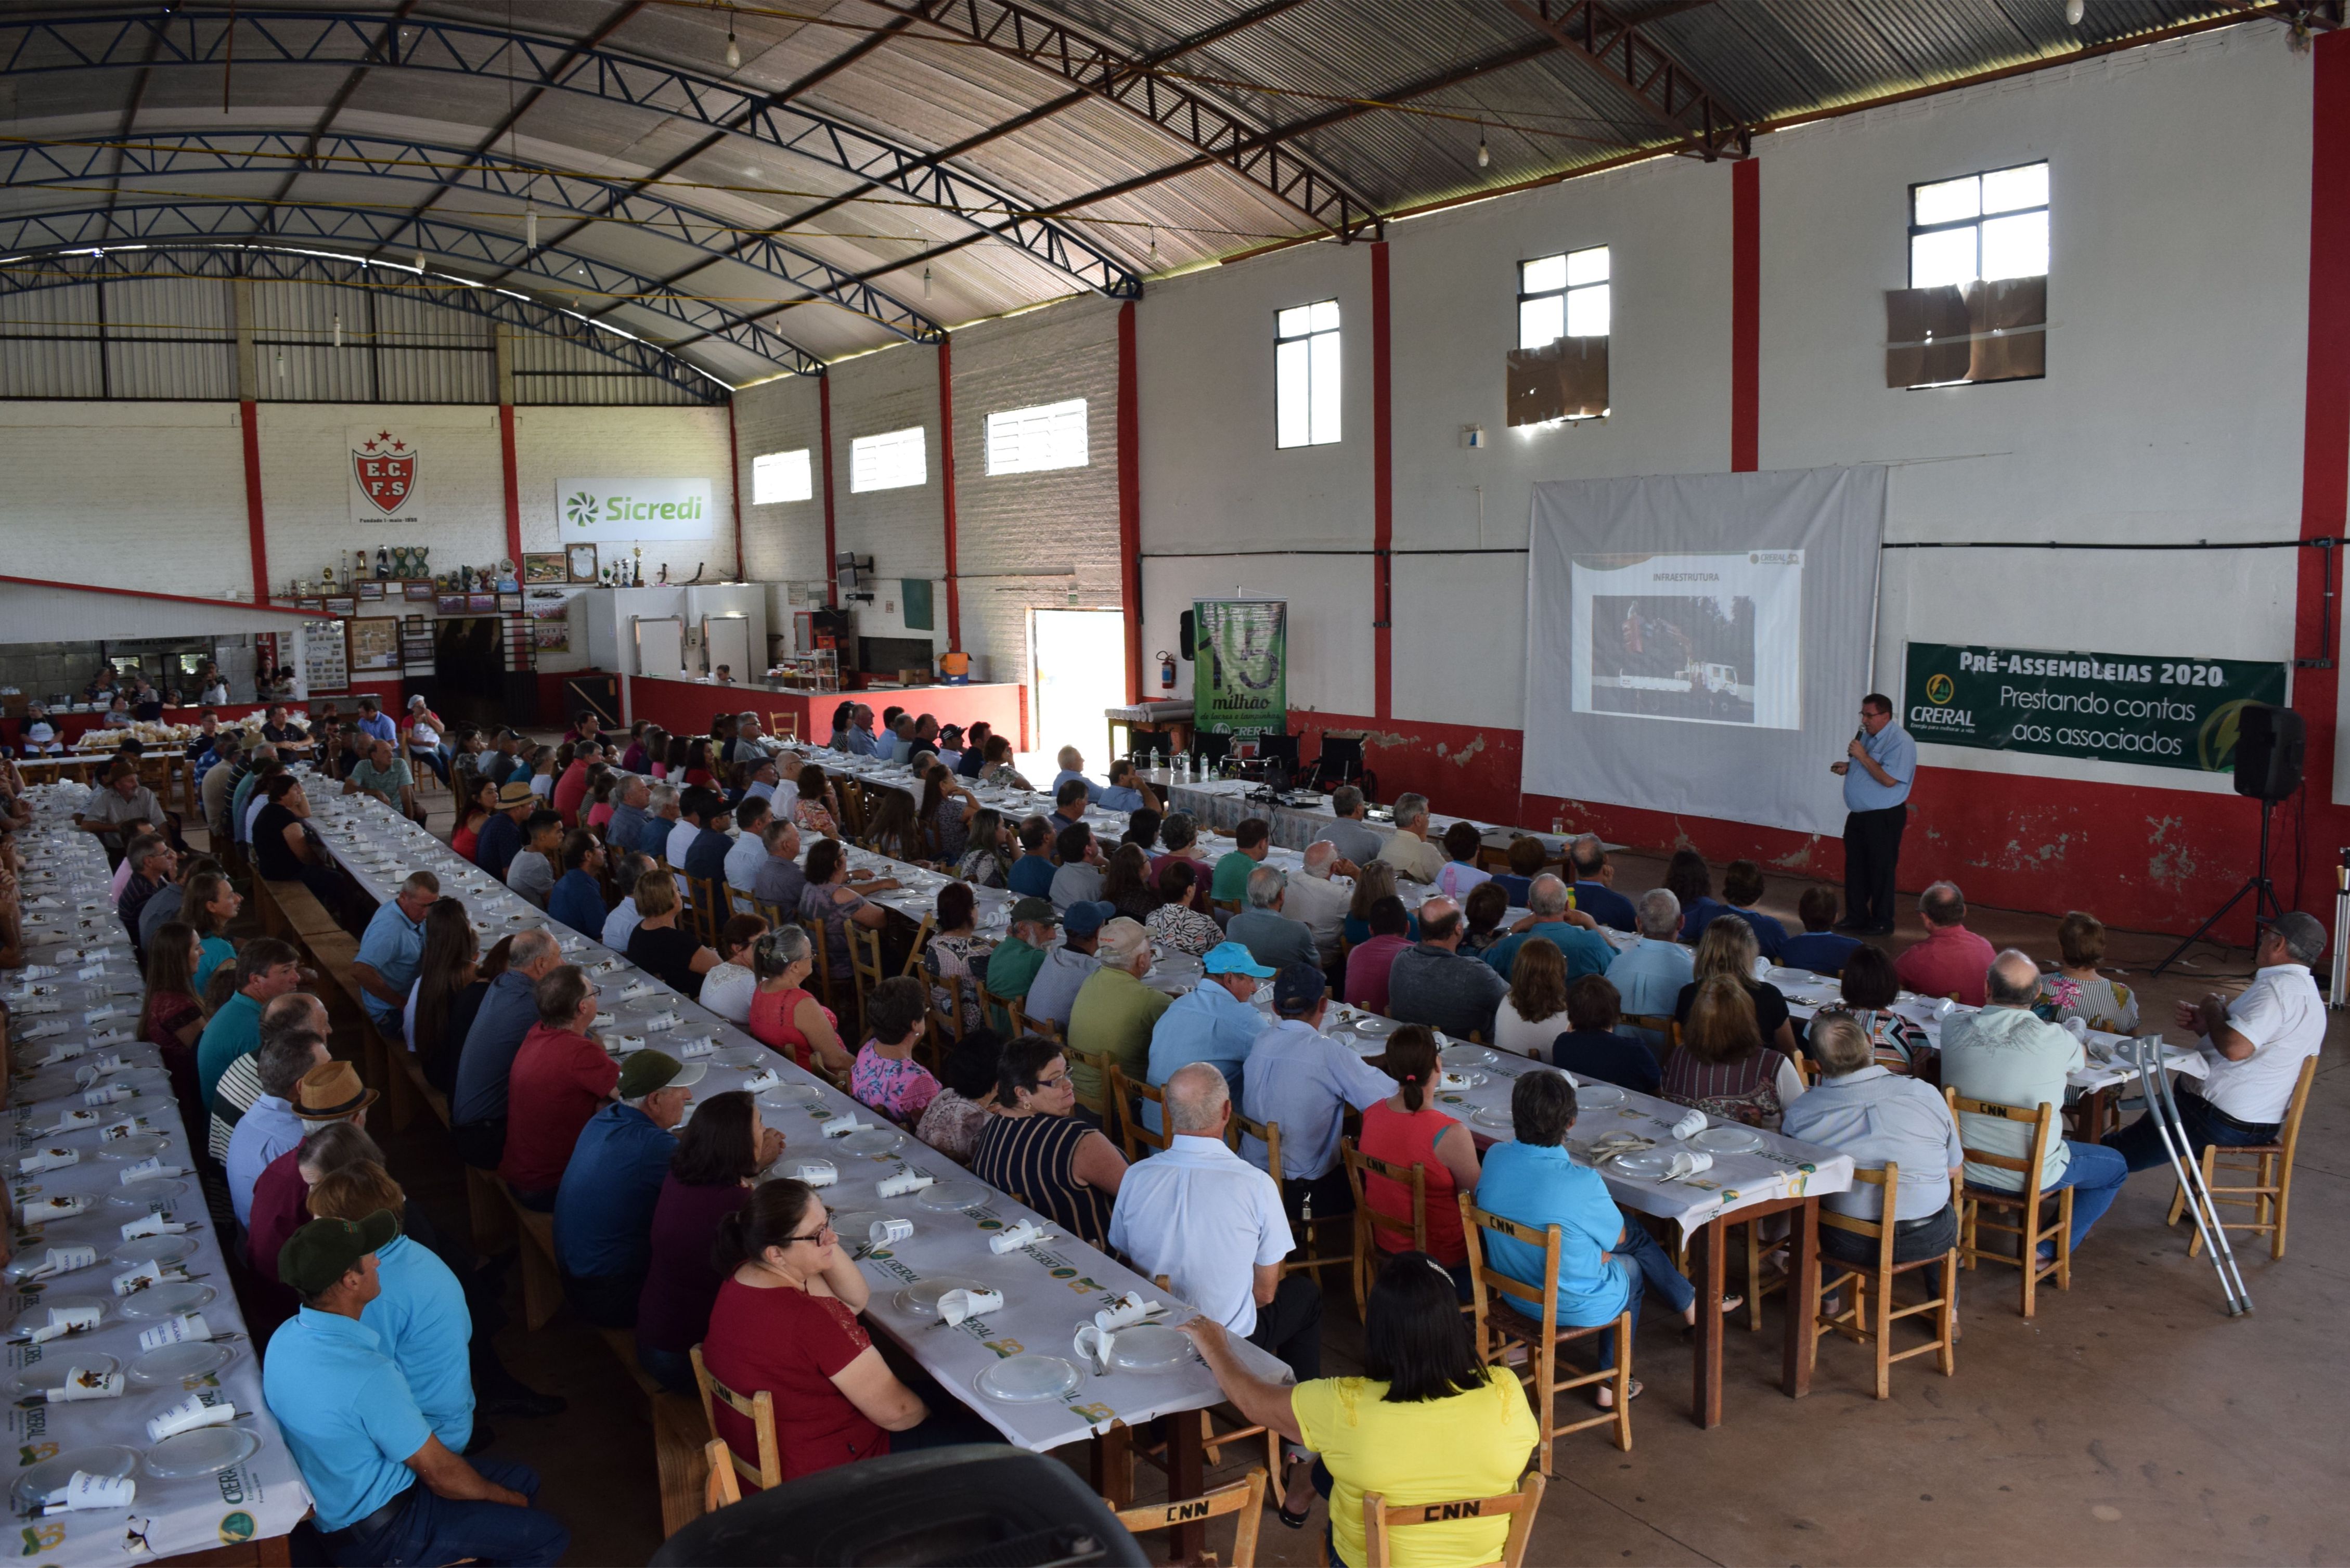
375 643
325 664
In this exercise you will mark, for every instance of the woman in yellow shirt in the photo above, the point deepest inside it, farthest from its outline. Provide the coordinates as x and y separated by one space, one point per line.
1427 1424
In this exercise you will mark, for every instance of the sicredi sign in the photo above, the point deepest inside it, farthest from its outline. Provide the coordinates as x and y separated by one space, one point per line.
622 511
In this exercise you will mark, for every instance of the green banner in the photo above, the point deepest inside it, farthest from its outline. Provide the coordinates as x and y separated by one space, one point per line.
2110 707
1240 667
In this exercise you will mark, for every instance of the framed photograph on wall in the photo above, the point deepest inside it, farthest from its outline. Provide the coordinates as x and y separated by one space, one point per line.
481 604
581 561
450 604
546 568
510 603
375 643
419 591
370 589
310 604
343 607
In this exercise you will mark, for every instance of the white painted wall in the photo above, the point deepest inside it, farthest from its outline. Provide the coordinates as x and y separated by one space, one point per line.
130 495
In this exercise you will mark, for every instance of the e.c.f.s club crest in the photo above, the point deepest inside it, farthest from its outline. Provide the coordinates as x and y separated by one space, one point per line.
386 470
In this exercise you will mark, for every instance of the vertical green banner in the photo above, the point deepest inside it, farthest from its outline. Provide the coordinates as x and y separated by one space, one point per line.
1240 667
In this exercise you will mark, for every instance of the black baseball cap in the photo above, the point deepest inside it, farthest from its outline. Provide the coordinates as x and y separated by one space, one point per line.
1298 989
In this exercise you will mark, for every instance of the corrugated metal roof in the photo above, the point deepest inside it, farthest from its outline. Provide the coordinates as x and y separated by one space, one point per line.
1389 100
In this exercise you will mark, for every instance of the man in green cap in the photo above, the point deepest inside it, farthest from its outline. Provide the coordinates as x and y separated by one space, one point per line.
604 1209
1012 967
360 1442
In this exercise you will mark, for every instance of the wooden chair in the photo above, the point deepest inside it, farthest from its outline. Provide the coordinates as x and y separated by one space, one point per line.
759 1410
784 726
1245 1497
1006 1008
867 967
712 907
1137 1135
1498 1324
1869 1317
921 941
1102 1101
1370 1221
1269 1134
2025 1205
722 1490
1519 1506
2270 1165
822 960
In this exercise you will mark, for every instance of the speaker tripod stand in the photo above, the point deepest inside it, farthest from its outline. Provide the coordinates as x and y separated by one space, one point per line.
2262 890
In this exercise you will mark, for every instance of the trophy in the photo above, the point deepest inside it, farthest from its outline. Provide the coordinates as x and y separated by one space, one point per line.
636 573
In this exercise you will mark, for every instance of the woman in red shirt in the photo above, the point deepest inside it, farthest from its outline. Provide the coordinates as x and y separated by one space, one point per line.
1405 1129
786 1320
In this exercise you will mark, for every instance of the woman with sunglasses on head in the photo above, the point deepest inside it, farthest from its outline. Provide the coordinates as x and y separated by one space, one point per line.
785 1321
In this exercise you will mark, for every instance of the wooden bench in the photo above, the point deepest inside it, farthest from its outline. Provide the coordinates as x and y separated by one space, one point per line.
679 1433
541 1280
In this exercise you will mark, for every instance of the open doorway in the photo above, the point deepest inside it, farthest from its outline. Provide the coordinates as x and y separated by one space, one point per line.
1076 668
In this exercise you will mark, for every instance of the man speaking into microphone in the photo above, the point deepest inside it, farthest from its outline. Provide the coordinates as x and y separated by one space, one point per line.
1877 769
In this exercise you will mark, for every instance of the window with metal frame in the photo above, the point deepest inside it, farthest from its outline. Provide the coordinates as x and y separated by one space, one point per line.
1987 226
894 460
1037 440
1305 385
781 476
1563 295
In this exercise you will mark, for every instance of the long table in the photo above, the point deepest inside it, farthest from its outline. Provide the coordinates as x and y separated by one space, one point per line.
251 1503
1049 1288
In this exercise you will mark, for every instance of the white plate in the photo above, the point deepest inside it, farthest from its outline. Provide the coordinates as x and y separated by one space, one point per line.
159 1189
110 1462
790 1096
1496 1116
204 1451
168 1299
739 1055
1027 1379
1649 1164
951 1196
921 1297
873 1140
1591 1096
139 1146
1456 1080
1150 1347
169 1364
50 1371
1729 1139
1377 1028
152 1250
1465 1056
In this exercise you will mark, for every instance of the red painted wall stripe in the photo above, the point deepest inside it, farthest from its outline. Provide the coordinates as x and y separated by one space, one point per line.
1745 313
514 481
1382 494
1129 500
947 488
257 527
734 470
2325 438
824 426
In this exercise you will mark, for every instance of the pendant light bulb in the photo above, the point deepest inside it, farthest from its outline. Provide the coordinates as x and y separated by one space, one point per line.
1484 155
281 364
926 283
338 329
2074 11
420 264
734 49
530 225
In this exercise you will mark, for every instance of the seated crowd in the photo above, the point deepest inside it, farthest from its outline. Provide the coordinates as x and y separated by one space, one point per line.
1021 1061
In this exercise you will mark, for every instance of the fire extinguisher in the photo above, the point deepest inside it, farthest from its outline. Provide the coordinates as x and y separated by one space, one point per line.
1166 673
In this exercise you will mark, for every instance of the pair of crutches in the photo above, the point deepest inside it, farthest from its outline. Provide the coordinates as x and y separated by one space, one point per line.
2154 1080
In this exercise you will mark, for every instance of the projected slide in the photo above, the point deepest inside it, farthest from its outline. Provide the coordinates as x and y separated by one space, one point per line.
1703 639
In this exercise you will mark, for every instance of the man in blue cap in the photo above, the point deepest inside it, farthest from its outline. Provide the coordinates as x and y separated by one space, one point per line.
1054 992
1216 1022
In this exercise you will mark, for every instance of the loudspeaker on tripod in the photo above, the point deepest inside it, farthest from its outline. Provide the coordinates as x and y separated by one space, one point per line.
2270 745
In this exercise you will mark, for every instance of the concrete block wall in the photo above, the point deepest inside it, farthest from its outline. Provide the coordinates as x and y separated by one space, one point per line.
134 496
306 483
782 541
551 444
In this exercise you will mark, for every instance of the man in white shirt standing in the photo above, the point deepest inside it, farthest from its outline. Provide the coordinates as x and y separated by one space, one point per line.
1211 1222
2254 1047
1318 901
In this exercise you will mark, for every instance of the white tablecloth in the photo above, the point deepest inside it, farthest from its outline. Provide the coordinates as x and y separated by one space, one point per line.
1048 1289
260 1497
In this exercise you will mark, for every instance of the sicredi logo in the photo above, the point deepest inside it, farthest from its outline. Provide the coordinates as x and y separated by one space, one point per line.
584 510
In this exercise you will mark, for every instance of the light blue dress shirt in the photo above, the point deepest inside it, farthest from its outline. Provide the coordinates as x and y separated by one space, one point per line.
1305 1081
1880 1118
1650 974
1586 951
1207 1024
427 1330
347 1413
1066 774
267 1129
1897 753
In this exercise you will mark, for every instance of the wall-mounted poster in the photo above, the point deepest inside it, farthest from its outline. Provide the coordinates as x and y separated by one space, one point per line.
450 604
375 643
370 589
547 568
312 604
622 511
343 606
325 656
419 591
510 603
582 561
481 604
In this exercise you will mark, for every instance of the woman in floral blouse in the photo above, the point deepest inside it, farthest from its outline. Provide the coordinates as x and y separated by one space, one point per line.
1174 922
